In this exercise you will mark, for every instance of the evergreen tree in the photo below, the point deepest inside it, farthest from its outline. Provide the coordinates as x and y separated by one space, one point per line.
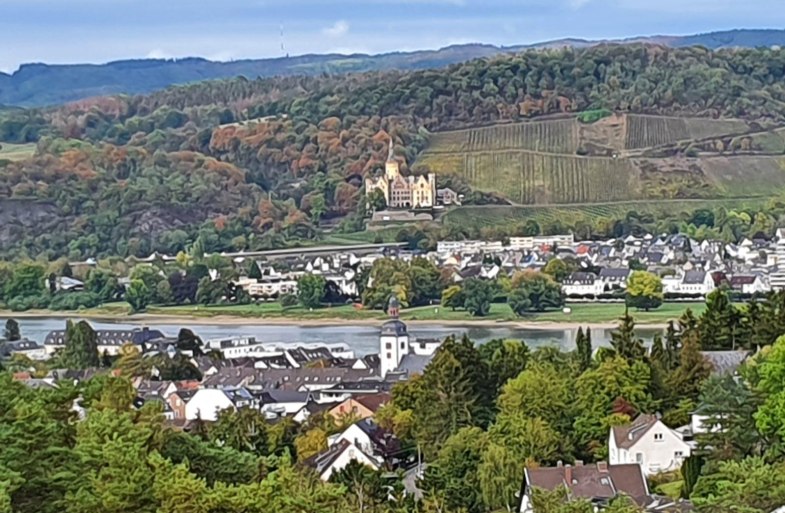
672 347
254 272
81 346
12 330
657 353
687 322
693 369
719 322
690 472
624 341
727 409
584 349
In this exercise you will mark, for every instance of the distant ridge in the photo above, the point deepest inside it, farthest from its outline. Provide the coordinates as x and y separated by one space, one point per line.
44 84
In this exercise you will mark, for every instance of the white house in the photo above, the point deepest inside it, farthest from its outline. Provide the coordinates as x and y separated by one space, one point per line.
337 457
648 442
582 284
750 284
206 403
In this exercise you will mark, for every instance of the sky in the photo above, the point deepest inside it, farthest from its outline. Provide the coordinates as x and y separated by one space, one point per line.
97 31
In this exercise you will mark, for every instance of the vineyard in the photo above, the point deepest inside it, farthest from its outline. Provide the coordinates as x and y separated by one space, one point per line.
648 131
563 161
539 178
498 215
558 136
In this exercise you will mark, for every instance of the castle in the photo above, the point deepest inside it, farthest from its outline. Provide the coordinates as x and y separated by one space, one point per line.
403 191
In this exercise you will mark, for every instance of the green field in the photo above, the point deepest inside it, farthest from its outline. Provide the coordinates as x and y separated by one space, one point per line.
584 313
503 215
648 131
557 136
16 152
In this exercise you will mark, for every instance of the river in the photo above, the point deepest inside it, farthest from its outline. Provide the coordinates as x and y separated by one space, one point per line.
363 339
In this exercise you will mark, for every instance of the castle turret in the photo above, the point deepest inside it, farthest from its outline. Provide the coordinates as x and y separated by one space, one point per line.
391 168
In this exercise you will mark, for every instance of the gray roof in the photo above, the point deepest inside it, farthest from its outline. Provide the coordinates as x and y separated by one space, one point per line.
414 363
694 277
725 362
614 273
583 278
394 327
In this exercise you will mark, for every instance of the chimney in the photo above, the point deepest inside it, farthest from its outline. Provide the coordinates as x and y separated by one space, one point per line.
602 466
568 475
578 463
559 464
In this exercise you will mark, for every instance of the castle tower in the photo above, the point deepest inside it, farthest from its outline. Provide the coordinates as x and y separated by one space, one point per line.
391 169
394 339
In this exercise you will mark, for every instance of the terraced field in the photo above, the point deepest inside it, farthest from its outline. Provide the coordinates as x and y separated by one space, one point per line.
562 161
648 131
14 152
558 136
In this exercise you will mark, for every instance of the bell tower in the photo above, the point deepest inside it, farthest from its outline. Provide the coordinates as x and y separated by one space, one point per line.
391 169
394 339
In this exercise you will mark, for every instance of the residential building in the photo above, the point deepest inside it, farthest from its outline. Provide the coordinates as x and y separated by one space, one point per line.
403 191
749 284
207 403
598 483
360 407
336 457
614 278
24 347
582 284
649 443
109 341
448 197
778 276
372 440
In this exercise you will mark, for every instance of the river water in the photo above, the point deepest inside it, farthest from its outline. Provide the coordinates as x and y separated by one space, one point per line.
363 339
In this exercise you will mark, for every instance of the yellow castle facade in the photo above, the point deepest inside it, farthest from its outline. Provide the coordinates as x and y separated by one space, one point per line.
403 191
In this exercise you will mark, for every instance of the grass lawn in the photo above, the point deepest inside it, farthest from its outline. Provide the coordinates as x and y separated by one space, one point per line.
589 313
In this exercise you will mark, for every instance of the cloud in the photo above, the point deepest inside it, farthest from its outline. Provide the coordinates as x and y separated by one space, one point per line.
157 53
338 29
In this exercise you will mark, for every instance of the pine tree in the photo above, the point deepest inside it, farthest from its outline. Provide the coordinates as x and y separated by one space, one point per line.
81 346
657 353
583 344
12 330
254 272
693 369
624 341
719 322
690 472
672 347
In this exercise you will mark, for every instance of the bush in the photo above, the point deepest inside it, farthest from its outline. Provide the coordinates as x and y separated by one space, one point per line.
288 300
20 304
592 116
74 301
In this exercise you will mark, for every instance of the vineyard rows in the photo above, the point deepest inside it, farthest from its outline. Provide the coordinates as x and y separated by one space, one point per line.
533 178
647 131
560 136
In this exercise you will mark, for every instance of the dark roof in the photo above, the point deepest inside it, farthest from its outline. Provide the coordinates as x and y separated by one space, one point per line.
374 401
583 278
384 442
600 482
282 396
394 327
8 348
414 363
626 436
737 280
322 461
614 273
110 337
694 277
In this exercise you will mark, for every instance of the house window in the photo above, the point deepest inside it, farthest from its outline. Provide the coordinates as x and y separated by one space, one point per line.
639 457
389 356
678 455
403 345
388 345
658 437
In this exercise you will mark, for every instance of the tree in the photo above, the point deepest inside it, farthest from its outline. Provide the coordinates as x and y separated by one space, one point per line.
534 292
27 280
368 487
81 346
770 417
540 391
644 291
478 295
453 473
727 409
376 201
254 272
310 290
12 330
505 360
424 277
583 348
750 485
719 323
455 393
310 443
558 269
211 291
625 342
137 295
452 297
244 430
690 472
693 369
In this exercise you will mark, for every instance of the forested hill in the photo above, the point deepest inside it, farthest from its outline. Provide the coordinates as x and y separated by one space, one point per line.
250 164
42 84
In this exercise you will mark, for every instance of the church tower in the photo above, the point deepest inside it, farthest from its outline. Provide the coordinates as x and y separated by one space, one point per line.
391 169
394 339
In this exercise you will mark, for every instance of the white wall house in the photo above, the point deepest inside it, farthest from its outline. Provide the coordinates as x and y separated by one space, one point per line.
207 403
648 442
582 284
337 457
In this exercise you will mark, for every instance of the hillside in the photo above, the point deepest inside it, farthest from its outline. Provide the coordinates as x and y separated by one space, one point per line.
252 164
618 158
42 84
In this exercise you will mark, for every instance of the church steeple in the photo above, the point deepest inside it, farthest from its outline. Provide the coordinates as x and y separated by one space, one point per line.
391 152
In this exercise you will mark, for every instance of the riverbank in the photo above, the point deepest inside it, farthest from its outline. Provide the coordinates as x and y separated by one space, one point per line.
594 315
